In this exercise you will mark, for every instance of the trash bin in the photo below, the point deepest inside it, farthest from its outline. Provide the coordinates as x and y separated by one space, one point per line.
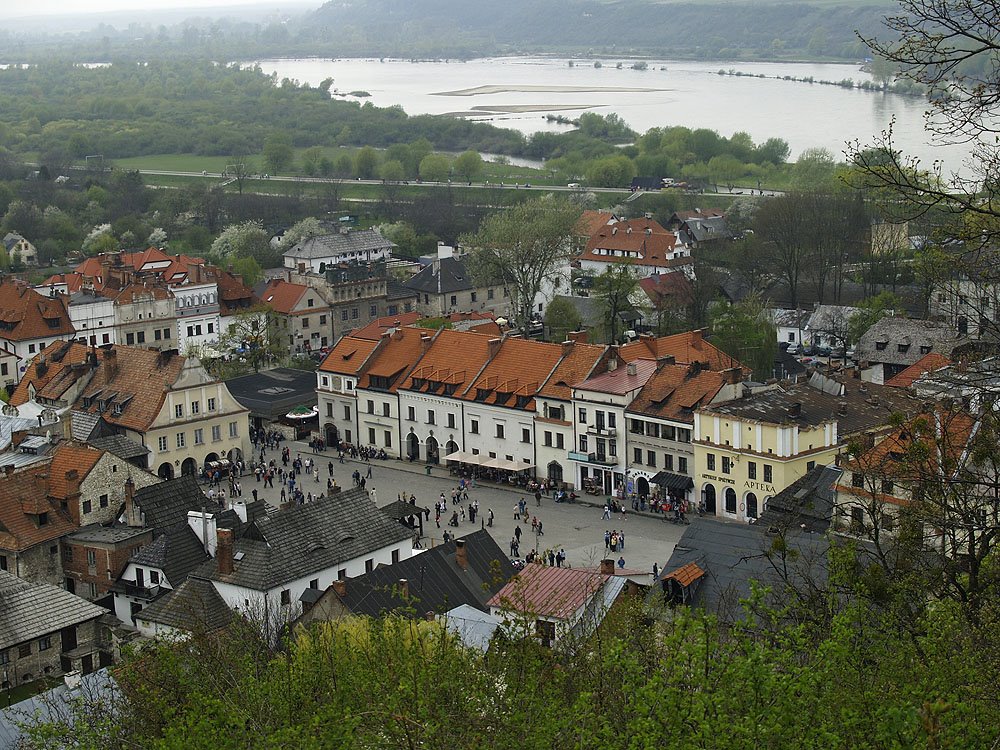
428 469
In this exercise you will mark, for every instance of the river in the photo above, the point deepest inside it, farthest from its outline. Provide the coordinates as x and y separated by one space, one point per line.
667 93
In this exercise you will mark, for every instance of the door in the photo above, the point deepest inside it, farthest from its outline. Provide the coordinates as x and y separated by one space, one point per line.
709 496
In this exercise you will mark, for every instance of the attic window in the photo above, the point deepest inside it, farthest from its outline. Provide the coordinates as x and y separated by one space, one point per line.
903 348
314 547
482 394
925 349
880 345
522 401
502 398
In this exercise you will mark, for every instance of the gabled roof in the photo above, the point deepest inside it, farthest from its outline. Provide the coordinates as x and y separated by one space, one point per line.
443 276
24 496
927 363
349 355
25 314
591 222
685 348
394 359
377 327
576 364
515 374
51 373
234 295
916 337
166 504
305 539
675 391
283 296
619 381
549 592
807 503
176 551
436 582
31 610
454 358
641 240
331 245
195 605
67 458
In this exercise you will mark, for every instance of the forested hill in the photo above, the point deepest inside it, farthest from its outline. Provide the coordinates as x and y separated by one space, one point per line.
743 30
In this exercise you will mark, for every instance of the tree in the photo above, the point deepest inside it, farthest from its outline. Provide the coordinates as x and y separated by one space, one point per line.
279 152
435 168
814 170
299 232
254 338
561 317
613 171
246 240
240 169
469 164
745 331
780 225
99 240
247 269
366 163
522 248
613 289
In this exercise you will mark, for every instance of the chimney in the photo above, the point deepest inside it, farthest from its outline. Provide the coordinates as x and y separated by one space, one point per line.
607 567
240 507
425 342
224 551
577 337
202 523
630 369
132 515
41 367
842 409
695 337
404 588
494 347
732 376
340 587
429 616
8 470
461 554
795 410
567 347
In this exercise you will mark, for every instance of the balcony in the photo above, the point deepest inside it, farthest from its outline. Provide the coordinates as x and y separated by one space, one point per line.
593 458
141 592
602 431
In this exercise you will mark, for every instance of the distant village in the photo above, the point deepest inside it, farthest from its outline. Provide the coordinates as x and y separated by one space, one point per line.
129 504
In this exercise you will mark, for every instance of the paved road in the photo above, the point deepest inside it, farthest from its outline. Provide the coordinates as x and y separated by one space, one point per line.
577 528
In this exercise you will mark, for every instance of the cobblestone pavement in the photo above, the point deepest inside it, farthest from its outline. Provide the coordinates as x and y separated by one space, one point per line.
578 527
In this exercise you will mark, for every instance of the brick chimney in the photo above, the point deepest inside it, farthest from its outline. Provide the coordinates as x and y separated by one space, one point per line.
224 551
578 337
404 588
132 514
732 376
607 567
494 347
695 337
795 410
340 587
461 554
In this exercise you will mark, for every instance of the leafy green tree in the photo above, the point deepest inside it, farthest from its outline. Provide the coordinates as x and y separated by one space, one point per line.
246 240
392 171
745 331
612 171
435 168
254 337
279 152
521 248
100 239
614 290
561 317
814 170
366 163
248 269
871 311
469 164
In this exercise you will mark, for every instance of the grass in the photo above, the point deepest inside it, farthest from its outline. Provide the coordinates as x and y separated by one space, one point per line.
23 692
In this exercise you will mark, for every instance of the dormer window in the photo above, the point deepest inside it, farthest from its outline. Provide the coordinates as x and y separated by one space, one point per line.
43 519
881 345
482 394
903 348
53 322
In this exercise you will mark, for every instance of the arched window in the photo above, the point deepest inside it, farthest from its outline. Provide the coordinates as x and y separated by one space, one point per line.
708 497
751 501
730 500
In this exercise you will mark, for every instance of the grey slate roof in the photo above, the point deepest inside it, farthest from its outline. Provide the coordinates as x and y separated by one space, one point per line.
443 276
195 605
82 425
733 554
166 504
120 446
436 582
56 705
177 551
305 539
337 244
805 503
474 628
274 393
31 610
920 337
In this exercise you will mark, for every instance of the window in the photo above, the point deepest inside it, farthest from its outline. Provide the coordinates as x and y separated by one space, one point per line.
45 643
559 440
286 597
4 658
613 447
887 486
343 314
211 327
3 562
810 465
199 436
547 438
454 300
314 583
91 558
310 302
234 429
430 416
305 322
322 320
140 338
161 443
651 459
154 577
668 462
411 413
195 407
369 566
474 426
752 469
388 438
104 498
710 461
473 297
395 556
683 435
857 479
24 650
499 431
489 294
87 506
371 436
371 406
129 340
347 412
372 311
637 456
216 433
211 404
583 416
525 435
354 313
583 443
880 345
385 410
329 410
611 420
768 474
179 411
190 330
180 439
157 334
730 500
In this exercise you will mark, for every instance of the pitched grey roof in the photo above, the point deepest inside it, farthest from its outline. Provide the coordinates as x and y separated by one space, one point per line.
474 628
333 245
166 504
807 503
706 228
30 610
918 337
833 319
120 446
177 551
193 606
82 424
305 539
435 581
442 276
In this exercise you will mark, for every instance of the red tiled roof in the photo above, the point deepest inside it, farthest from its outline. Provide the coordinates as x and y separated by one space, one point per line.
927 363
591 222
517 371
348 356
377 327
663 288
640 240
56 372
282 296
25 314
619 381
454 358
674 391
686 574
549 592
72 280
399 352
685 348
234 295
23 496
137 290
576 365
69 457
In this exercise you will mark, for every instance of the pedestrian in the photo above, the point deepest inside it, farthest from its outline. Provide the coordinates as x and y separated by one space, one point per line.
254 493
369 474
316 473
552 559
607 513
534 523
489 517
517 532
538 498
517 511
540 532
513 547
656 571
621 562
607 539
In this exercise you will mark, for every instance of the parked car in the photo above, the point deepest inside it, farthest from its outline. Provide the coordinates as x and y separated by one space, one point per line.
822 351
837 353
793 349
808 349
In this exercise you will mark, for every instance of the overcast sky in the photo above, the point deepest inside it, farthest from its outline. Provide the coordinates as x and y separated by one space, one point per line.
21 8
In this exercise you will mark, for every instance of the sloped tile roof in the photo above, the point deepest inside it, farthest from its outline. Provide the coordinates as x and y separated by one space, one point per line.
643 240
25 494
282 296
194 606
176 551
349 355
685 348
518 370
340 243
398 354
550 592
58 358
31 610
576 365
454 358
66 458
619 381
377 327
591 222
443 276
674 391
912 334
166 504
674 287
25 314
927 363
